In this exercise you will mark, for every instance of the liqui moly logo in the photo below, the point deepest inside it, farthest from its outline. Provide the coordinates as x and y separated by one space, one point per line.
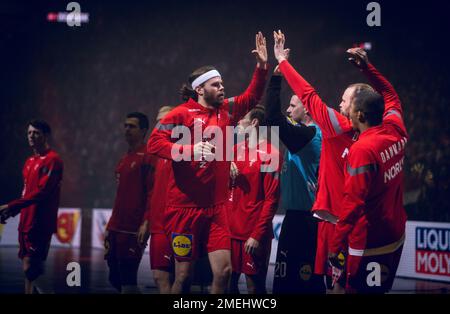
433 251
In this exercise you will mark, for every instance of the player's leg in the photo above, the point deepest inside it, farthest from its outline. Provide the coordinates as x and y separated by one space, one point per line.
163 280
112 260
183 275
183 227
236 263
220 261
33 251
280 284
234 281
219 249
161 262
325 234
255 267
256 284
28 283
129 253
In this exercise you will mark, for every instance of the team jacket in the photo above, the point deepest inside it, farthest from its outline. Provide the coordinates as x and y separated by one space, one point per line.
255 192
337 136
372 217
198 183
38 206
158 196
134 176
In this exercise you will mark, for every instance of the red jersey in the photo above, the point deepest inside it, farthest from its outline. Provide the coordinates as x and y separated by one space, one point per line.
201 183
373 218
134 176
255 192
38 206
157 203
337 132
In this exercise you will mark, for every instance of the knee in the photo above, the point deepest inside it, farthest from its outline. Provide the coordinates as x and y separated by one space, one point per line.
33 270
160 278
182 275
223 273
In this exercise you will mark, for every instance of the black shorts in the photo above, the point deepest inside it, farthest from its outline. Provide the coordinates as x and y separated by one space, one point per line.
294 268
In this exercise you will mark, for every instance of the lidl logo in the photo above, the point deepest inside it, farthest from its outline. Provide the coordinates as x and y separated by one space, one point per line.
305 272
341 259
182 244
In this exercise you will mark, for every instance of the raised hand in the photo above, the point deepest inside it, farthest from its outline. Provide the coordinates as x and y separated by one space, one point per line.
280 53
358 57
260 50
277 71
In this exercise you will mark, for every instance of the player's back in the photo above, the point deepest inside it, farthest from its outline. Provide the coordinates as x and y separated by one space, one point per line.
384 215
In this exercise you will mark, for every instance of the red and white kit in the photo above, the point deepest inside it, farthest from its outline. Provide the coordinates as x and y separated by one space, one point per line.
372 220
134 175
38 206
200 185
160 249
252 204
338 137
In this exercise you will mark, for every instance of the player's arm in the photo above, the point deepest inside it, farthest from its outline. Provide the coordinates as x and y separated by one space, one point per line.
49 180
271 177
148 169
393 106
360 171
160 142
171 139
330 121
238 106
295 137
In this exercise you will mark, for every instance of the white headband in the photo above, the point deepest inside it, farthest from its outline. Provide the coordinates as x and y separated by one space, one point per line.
204 77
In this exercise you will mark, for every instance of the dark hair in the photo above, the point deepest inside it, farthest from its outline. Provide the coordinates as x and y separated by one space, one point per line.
143 120
186 90
41 125
371 104
259 114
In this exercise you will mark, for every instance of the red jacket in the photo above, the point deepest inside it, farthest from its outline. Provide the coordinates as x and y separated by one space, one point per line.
338 135
254 195
38 206
158 196
373 218
134 175
199 183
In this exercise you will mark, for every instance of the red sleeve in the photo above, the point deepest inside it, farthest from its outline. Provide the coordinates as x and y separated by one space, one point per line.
238 106
392 106
49 180
360 171
331 122
271 198
161 143
149 180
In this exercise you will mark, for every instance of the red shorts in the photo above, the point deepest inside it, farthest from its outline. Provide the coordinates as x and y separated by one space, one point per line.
249 264
34 244
325 234
160 252
195 231
361 275
119 245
